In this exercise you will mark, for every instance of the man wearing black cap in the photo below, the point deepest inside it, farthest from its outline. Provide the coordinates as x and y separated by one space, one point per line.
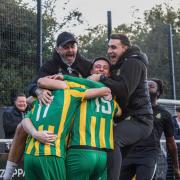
128 83
66 60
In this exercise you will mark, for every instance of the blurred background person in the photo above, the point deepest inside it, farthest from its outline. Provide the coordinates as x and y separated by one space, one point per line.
13 116
176 124
142 160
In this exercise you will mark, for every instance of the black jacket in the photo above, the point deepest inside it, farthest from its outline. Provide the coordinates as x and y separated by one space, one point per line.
150 147
128 83
80 67
176 128
11 118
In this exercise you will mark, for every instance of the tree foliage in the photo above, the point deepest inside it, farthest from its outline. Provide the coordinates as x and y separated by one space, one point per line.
94 43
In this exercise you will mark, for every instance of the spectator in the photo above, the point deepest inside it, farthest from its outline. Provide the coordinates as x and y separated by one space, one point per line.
66 60
13 115
142 160
176 124
128 83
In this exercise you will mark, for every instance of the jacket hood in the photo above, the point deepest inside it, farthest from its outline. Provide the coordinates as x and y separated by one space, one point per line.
134 52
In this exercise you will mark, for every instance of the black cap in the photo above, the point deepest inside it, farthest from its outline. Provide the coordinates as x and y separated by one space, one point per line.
64 38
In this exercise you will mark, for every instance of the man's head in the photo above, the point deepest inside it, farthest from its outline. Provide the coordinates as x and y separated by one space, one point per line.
178 112
117 45
20 102
66 47
101 65
156 88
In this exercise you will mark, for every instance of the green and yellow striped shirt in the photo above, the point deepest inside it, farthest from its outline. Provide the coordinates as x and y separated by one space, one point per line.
56 118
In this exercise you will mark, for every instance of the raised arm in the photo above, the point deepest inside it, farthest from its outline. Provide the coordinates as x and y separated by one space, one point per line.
86 82
49 83
98 92
52 82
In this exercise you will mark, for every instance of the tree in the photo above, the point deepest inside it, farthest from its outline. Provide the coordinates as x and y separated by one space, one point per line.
153 37
94 43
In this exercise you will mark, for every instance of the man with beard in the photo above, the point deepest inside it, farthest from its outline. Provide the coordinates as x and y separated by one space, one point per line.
65 60
142 160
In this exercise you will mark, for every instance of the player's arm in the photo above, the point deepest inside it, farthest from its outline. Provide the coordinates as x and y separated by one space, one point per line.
86 82
172 148
170 142
42 136
49 83
46 84
98 92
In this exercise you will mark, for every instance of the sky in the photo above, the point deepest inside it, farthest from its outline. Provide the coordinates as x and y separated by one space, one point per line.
95 11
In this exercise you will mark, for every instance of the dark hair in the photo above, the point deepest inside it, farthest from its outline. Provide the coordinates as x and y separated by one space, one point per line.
123 38
178 109
100 58
161 85
19 95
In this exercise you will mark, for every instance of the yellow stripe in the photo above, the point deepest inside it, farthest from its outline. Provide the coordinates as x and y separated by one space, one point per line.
30 146
40 128
92 129
74 85
67 100
47 150
82 123
111 135
76 93
102 133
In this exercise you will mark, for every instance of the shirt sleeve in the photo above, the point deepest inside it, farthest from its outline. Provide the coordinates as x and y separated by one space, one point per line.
28 114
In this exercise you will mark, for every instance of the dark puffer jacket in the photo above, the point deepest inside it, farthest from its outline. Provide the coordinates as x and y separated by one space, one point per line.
11 118
80 68
128 83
